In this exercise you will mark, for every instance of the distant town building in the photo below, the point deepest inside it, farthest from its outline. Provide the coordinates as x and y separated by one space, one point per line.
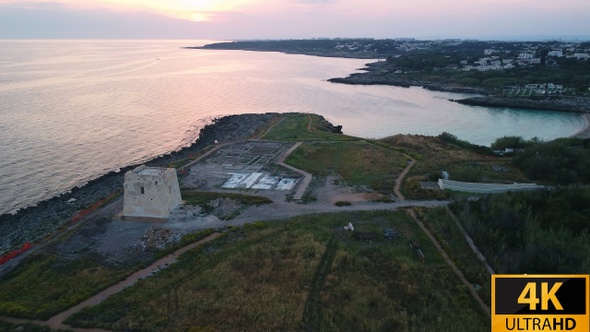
558 54
150 192
525 56
581 56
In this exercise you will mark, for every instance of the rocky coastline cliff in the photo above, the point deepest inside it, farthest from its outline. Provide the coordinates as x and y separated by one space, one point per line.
34 222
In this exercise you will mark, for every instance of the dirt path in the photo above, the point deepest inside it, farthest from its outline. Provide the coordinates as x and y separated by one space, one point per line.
470 242
270 128
306 176
57 321
453 266
400 178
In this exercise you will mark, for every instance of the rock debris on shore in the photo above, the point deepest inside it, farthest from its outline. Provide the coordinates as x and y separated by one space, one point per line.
34 222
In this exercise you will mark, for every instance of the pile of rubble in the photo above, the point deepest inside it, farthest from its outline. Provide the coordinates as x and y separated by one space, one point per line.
224 207
192 183
157 238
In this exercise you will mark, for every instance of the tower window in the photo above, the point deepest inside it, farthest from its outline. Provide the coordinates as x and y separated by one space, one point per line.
142 190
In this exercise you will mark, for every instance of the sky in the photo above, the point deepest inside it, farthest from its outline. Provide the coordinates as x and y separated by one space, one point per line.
282 19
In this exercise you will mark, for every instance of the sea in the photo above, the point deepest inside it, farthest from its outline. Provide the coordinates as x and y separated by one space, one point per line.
73 110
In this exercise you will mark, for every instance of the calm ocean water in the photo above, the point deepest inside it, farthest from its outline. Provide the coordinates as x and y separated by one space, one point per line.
71 111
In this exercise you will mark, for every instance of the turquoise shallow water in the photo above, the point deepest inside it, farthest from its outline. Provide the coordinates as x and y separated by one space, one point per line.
73 110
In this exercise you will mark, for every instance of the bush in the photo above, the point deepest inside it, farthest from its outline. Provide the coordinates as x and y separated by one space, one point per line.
516 142
343 203
255 225
562 161
452 139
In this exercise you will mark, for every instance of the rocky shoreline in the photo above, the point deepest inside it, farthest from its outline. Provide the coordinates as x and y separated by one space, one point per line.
550 103
375 75
34 222
563 104
366 79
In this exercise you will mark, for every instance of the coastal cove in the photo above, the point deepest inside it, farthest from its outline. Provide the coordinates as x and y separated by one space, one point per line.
72 111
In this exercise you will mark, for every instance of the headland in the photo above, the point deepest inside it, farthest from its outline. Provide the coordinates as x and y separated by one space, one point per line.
550 75
243 245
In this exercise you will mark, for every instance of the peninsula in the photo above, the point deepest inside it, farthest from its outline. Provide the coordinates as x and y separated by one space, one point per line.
289 224
549 75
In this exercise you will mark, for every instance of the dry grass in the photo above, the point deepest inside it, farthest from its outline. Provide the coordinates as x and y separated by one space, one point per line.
304 273
433 156
430 153
294 127
357 163
44 285
257 284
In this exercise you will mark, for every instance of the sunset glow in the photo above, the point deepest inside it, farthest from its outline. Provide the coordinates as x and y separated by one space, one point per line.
295 18
195 10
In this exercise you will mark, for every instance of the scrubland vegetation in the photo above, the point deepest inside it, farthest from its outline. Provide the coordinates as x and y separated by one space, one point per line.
46 284
301 273
545 231
564 161
355 163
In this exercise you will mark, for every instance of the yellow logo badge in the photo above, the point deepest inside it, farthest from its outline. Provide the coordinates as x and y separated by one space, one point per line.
540 303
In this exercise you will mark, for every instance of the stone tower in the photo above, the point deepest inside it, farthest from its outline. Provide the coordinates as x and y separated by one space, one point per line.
150 192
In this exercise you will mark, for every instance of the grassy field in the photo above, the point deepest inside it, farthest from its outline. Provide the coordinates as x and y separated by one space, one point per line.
45 284
356 163
376 164
294 127
303 274
25 328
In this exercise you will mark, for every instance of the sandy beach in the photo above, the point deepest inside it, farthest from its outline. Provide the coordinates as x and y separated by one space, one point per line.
584 133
